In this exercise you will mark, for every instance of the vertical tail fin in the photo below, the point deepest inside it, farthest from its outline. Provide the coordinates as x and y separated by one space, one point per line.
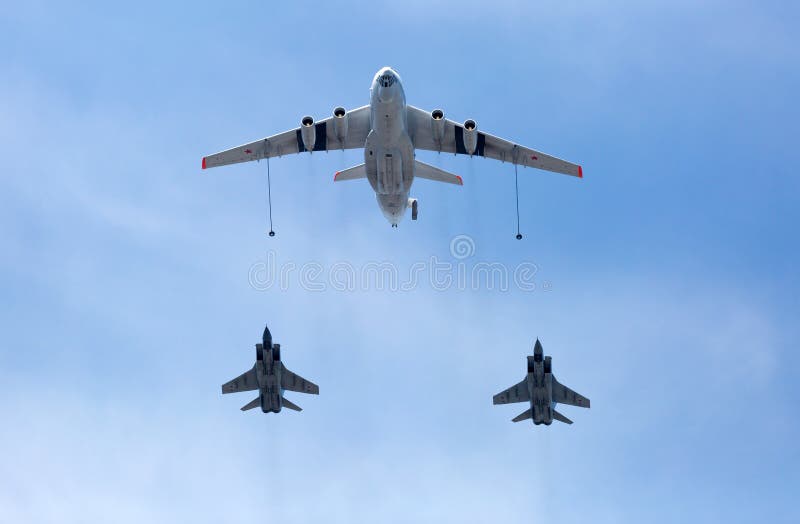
288 404
256 402
523 416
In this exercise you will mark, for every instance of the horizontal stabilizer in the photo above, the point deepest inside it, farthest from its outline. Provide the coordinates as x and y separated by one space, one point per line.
523 416
351 173
561 418
429 172
288 404
256 402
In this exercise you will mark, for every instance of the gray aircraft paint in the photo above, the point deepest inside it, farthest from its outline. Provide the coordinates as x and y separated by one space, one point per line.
389 130
270 377
388 152
542 390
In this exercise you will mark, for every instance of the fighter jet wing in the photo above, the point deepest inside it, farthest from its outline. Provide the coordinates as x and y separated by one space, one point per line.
563 395
288 142
245 382
292 382
516 393
420 124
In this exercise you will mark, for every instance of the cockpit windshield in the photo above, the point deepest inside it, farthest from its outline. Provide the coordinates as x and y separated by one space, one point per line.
386 80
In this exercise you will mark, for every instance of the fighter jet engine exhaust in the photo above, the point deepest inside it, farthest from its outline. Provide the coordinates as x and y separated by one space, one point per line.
470 136
414 205
437 124
340 124
308 133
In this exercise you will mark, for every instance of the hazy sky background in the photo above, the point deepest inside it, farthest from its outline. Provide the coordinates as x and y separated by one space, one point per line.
667 282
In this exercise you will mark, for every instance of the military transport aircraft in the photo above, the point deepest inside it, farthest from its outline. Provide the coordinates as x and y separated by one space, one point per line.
390 131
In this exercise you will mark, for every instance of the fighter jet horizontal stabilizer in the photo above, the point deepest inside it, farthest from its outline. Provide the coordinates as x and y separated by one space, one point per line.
561 418
288 404
252 404
523 416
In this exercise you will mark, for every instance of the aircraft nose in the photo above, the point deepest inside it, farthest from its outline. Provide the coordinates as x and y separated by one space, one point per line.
267 338
386 81
385 94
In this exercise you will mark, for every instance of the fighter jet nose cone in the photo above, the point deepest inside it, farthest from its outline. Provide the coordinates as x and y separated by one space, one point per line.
267 338
537 348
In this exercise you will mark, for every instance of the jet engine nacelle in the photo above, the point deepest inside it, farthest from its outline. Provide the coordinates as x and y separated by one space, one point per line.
340 123
437 125
470 136
548 364
308 133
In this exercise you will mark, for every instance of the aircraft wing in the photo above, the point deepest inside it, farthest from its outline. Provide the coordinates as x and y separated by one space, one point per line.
516 393
563 395
289 142
420 126
293 382
245 382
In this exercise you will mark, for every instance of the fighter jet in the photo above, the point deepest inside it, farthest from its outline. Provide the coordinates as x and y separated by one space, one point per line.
271 378
542 390
390 131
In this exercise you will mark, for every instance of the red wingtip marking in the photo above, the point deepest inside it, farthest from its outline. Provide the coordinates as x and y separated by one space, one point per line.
580 172
336 176
460 180
204 162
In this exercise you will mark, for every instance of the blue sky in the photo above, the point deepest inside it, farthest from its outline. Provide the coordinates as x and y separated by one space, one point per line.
667 282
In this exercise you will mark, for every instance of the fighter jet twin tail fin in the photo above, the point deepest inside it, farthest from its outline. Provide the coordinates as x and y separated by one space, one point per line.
421 170
525 415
